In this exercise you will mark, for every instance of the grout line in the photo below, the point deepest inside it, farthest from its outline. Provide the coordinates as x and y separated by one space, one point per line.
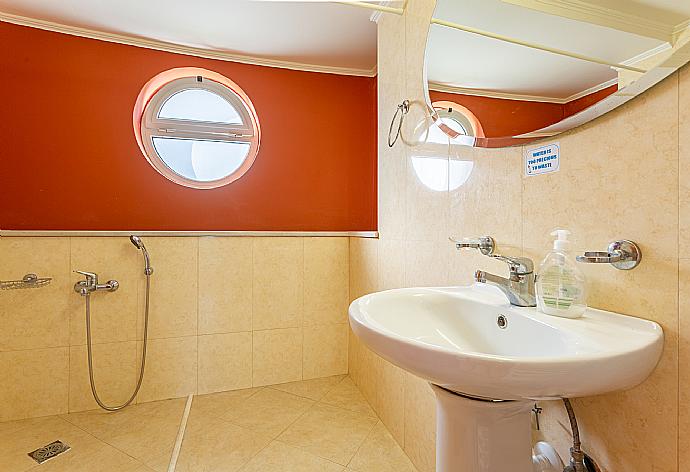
180 434
65 418
301 318
252 243
678 324
366 438
69 330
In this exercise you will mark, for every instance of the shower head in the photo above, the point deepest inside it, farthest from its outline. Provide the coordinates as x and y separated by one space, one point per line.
139 244
136 240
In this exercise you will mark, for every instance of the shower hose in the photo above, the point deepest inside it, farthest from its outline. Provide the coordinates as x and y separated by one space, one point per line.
143 352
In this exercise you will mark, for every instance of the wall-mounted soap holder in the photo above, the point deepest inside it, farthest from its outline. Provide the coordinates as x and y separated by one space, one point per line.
621 254
485 244
28 281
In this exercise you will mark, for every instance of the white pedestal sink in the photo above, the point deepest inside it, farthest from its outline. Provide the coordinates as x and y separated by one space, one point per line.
489 361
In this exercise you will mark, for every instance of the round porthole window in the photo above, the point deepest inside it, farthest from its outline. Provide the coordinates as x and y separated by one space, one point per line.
197 128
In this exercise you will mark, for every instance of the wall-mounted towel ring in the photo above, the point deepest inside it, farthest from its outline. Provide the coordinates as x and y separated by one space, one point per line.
402 110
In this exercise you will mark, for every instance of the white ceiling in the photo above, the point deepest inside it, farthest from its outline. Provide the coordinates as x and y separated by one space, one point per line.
471 61
318 34
321 35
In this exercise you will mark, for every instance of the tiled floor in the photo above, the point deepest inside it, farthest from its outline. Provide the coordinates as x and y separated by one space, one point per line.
320 425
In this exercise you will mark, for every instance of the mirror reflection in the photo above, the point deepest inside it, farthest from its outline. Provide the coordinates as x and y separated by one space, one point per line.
511 71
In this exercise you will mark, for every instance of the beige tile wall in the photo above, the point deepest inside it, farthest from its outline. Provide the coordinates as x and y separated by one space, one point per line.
633 163
226 313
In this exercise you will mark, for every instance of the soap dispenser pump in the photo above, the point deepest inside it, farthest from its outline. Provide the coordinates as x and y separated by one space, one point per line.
560 284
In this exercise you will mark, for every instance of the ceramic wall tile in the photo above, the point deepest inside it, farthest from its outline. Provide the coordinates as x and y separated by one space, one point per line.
683 363
225 362
420 423
478 209
426 207
225 285
325 350
391 400
115 371
173 311
22 311
171 369
684 161
35 383
363 267
114 315
583 186
326 275
217 273
278 283
392 163
277 356
426 263
391 264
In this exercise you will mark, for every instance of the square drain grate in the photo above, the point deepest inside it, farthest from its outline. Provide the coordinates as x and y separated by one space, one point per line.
44 453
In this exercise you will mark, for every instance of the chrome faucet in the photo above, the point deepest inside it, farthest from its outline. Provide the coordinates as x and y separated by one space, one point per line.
90 284
519 286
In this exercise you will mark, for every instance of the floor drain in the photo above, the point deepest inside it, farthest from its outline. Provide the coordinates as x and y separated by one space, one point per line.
44 453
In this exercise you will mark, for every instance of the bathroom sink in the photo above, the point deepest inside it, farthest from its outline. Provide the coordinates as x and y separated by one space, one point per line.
470 340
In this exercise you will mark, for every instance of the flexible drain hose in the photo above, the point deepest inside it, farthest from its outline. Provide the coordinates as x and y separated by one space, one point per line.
143 352
577 457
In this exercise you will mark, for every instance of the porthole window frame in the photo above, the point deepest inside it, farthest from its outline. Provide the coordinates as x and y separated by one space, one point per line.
149 125
461 115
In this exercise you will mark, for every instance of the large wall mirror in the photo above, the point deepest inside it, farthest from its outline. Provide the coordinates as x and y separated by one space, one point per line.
506 72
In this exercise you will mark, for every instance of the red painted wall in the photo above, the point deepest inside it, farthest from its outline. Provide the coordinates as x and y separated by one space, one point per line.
580 104
500 117
69 158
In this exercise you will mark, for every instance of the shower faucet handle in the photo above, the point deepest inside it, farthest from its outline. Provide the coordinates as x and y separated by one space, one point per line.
91 277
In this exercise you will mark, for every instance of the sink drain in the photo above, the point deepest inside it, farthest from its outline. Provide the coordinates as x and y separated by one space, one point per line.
502 321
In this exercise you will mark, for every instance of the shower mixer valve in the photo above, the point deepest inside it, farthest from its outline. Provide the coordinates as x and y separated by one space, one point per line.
90 284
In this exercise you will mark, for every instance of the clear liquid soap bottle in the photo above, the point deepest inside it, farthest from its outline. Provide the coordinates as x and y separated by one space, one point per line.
560 283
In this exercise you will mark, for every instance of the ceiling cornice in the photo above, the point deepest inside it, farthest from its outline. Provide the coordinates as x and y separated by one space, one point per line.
450 88
679 29
647 54
438 87
599 15
130 40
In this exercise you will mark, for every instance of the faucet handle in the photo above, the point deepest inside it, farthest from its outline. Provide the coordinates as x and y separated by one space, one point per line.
91 277
518 265
485 244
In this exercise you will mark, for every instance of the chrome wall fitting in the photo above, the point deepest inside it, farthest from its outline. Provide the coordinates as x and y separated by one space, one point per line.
622 254
90 284
400 112
485 244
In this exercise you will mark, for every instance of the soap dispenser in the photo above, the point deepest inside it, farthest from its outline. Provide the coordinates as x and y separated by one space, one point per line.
560 283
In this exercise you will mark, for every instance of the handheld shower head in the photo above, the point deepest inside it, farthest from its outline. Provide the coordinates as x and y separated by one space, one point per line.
139 244
136 240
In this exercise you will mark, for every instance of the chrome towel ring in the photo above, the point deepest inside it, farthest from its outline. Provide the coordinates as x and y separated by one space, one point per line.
402 110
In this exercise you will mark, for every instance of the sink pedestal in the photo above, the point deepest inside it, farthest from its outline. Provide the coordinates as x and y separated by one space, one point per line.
482 436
